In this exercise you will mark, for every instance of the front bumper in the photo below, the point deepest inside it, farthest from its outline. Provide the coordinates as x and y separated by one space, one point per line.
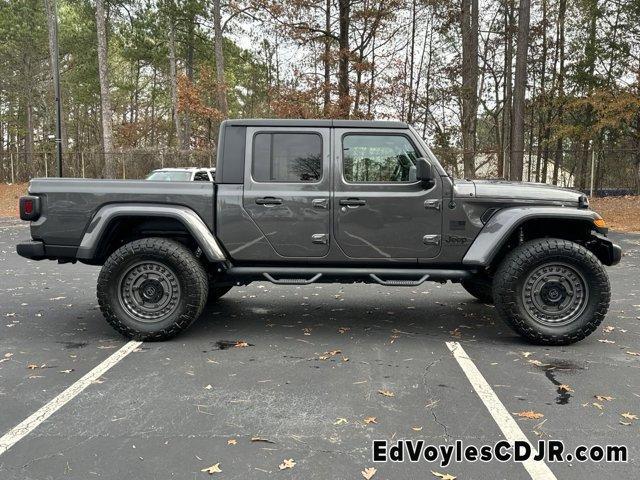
616 253
607 252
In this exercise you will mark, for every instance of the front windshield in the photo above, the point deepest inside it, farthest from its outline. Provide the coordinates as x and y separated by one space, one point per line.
170 176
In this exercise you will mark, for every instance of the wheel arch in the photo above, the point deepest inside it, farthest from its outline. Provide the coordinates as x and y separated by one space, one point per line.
114 224
510 227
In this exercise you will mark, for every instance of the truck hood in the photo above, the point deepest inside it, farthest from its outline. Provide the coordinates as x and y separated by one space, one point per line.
502 189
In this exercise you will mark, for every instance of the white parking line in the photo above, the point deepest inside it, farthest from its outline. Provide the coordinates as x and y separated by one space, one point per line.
510 429
23 429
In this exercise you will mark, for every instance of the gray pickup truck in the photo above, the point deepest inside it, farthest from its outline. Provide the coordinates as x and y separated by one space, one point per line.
301 201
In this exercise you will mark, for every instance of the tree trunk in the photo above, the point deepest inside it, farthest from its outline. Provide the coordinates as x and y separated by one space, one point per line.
173 80
326 59
559 154
469 91
503 169
110 169
344 101
28 139
519 91
186 121
543 131
412 51
218 42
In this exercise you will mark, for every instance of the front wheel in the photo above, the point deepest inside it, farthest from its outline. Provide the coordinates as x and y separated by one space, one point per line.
152 289
551 291
479 287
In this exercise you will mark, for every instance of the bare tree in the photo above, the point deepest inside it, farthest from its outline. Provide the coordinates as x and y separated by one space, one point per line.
326 59
519 90
503 166
173 79
105 99
344 19
469 95
218 41
559 154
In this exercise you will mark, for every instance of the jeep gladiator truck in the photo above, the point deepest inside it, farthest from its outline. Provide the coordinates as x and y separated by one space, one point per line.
301 201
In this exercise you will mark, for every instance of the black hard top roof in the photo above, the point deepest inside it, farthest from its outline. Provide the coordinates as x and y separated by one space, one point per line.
285 122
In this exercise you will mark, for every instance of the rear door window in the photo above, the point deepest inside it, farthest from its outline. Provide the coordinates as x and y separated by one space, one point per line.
287 157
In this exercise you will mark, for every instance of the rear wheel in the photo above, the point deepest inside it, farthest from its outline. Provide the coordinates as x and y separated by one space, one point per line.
216 292
552 291
152 289
479 287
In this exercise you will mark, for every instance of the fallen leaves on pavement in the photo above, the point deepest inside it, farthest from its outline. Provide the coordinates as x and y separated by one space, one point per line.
260 439
212 469
537 363
329 354
368 473
529 414
603 398
386 393
287 463
443 476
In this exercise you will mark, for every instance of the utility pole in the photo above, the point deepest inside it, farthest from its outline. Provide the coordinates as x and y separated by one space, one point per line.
593 166
52 17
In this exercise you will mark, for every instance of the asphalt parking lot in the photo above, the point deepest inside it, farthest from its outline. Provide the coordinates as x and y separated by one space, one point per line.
316 360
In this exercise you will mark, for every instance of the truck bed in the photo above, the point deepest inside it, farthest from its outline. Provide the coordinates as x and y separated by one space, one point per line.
68 204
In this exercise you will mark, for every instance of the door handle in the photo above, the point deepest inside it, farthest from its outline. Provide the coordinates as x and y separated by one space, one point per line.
269 201
353 202
320 203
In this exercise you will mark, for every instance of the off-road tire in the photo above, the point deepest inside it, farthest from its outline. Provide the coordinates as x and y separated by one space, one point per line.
518 266
481 288
187 273
216 292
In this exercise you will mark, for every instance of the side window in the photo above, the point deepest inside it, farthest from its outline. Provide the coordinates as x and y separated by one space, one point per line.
201 176
287 157
378 158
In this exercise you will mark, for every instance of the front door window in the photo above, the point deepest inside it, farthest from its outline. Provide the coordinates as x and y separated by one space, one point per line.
378 158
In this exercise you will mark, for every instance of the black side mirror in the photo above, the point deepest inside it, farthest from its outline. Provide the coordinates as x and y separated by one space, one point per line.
424 171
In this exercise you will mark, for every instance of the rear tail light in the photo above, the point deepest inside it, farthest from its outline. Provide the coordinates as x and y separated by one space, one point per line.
29 208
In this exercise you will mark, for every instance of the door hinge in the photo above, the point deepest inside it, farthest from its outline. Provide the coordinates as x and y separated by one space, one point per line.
431 239
432 204
320 238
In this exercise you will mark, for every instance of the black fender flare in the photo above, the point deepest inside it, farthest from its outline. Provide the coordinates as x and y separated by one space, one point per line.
503 223
190 219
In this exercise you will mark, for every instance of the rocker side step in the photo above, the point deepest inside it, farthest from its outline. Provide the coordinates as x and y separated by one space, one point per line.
304 276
